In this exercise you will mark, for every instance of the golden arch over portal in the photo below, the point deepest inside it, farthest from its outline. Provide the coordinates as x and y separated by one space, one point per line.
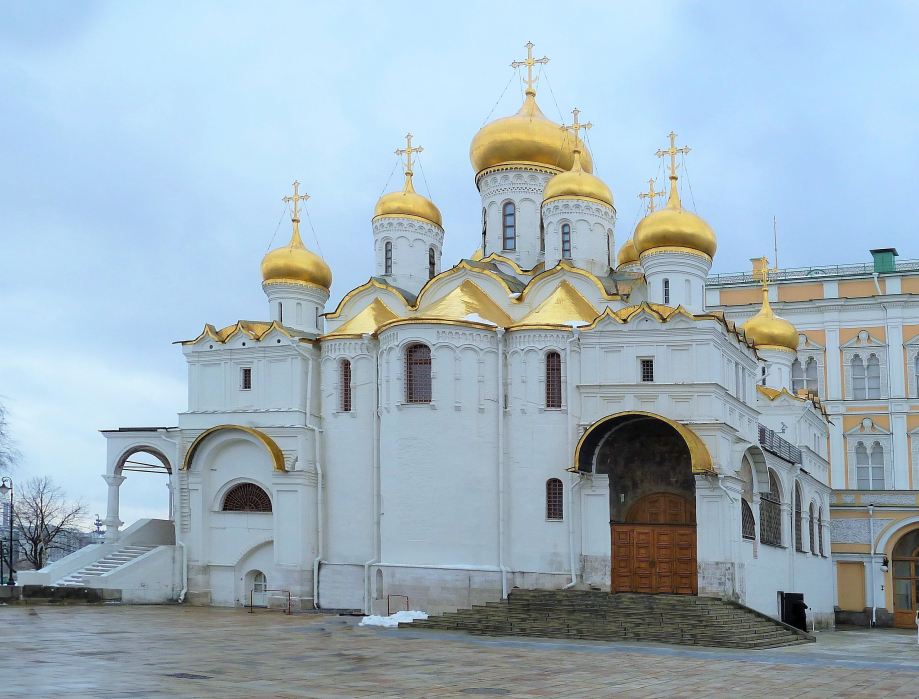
276 455
699 455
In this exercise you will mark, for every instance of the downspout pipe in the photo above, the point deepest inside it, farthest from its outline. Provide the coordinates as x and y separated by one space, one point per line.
874 608
184 571
501 399
317 434
572 483
375 477
175 520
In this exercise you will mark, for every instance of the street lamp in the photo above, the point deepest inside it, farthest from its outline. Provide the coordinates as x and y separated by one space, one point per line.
6 486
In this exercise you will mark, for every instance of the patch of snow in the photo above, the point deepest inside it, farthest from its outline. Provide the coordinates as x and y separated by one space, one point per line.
476 318
392 619
575 323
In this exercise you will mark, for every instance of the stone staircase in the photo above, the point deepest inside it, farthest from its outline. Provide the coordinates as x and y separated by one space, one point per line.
601 616
113 561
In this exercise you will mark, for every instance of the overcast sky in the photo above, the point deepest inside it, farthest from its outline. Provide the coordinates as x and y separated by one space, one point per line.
145 148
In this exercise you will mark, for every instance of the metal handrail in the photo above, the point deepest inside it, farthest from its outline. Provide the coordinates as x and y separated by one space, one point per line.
251 599
771 442
864 269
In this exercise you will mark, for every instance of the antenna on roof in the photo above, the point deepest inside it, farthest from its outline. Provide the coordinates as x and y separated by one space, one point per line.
775 240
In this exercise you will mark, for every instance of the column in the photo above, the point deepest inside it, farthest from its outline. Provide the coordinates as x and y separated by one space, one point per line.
837 455
901 455
112 523
833 363
895 355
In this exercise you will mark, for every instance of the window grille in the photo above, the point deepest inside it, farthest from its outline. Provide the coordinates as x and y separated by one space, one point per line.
566 241
510 226
346 385
810 527
666 292
431 263
770 514
555 508
418 374
820 529
799 537
747 523
858 378
246 497
245 378
647 370
388 255
873 378
553 380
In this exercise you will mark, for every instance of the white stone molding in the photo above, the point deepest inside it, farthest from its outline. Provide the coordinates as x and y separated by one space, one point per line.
914 453
864 346
808 349
912 352
868 433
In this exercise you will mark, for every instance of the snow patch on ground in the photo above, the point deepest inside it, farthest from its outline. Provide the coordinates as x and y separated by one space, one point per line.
392 619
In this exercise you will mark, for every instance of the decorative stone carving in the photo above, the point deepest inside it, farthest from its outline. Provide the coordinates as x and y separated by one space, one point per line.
855 531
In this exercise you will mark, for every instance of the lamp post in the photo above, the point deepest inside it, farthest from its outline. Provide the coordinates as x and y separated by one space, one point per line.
6 486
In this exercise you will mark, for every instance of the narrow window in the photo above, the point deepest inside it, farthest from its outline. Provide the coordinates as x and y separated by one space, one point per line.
345 389
770 514
810 526
245 378
510 226
747 523
318 320
799 535
555 509
553 380
566 241
810 376
798 382
858 378
862 467
762 372
877 467
666 292
431 263
820 529
542 235
647 370
484 230
280 312
687 292
418 374
873 378
246 497
388 262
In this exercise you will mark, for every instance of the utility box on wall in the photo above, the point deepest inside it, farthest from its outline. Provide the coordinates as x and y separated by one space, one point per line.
884 260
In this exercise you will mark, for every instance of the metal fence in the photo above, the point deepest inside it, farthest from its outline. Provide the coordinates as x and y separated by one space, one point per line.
771 442
798 273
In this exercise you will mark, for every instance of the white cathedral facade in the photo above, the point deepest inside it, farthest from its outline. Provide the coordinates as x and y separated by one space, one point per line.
547 414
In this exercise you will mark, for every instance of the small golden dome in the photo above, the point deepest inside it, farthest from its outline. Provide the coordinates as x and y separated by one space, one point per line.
526 137
295 264
674 226
628 255
408 203
766 329
577 183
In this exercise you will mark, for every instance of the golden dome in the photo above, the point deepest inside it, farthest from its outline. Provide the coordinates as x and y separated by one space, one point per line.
766 329
628 255
526 137
295 264
577 183
674 226
408 203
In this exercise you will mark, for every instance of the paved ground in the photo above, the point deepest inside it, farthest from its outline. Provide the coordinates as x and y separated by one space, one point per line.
115 651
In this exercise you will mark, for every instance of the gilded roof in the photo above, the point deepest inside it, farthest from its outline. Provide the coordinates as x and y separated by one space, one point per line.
367 321
466 302
408 203
674 226
254 329
766 329
564 306
577 183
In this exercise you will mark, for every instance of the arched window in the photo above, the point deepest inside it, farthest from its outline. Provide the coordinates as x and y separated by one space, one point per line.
747 523
510 226
877 467
418 374
810 376
484 230
566 241
798 382
432 263
542 235
687 292
666 292
246 497
388 258
770 514
280 312
873 377
345 386
869 469
858 378
811 524
799 535
555 509
553 380
820 529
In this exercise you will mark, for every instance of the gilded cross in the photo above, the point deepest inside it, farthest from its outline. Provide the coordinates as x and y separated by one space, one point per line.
296 199
577 125
529 63
650 195
672 152
761 270
407 152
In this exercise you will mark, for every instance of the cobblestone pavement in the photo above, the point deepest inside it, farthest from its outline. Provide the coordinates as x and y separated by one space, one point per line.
115 651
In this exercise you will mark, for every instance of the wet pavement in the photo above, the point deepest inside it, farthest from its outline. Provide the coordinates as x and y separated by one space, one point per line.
135 651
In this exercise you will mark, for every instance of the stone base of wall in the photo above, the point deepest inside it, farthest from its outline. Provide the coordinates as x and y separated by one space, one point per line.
69 594
883 618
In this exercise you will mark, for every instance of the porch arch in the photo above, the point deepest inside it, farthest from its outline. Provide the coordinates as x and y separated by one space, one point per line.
277 456
125 458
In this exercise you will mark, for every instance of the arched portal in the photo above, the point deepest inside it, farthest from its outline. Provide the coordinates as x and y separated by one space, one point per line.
137 496
906 579
651 463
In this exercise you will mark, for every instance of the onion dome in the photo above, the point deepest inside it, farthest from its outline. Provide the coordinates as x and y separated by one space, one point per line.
577 183
294 264
408 203
526 137
769 331
628 255
674 226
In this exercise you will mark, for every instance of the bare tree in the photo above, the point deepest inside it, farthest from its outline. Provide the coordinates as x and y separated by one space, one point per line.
41 514
9 454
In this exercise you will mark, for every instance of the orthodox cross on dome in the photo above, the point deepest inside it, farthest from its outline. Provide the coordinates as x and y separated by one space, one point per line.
296 199
576 126
529 63
672 152
650 195
762 270
407 152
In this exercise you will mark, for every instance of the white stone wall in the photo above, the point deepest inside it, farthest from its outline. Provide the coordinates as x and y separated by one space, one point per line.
412 239
593 244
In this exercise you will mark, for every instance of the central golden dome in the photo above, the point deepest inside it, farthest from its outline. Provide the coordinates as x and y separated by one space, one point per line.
674 226
408 203
767 330
294 264
577 183
526 137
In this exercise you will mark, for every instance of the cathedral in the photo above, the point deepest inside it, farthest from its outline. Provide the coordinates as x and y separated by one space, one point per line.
569 407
